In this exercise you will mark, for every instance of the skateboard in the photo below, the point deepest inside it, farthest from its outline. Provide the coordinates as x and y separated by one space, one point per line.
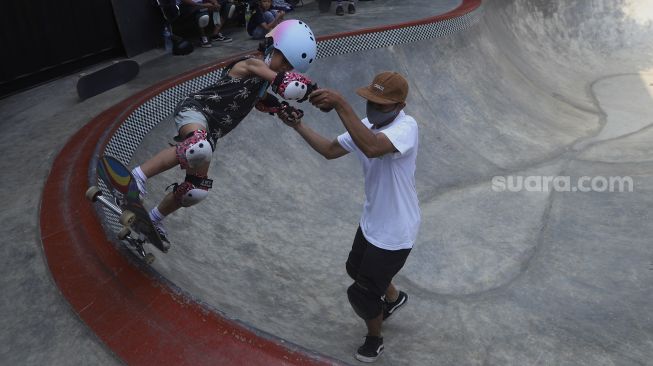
94 83
137 228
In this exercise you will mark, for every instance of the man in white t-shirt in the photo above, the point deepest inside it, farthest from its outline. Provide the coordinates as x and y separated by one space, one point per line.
385 142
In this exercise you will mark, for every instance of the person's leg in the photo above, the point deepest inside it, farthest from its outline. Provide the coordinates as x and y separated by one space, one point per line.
219 18
258 33
186 122
202 21
391 294
339 9
351 8
374 278
355 254
167 158
170 203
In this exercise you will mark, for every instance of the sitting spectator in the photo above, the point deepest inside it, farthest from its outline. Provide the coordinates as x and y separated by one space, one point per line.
205 10
263 19
351 9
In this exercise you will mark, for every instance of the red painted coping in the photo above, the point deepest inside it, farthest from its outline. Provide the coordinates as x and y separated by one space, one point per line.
466 7
132 310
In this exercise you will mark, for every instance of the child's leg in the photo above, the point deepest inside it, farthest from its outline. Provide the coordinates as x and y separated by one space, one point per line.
172 202
160 162
194 187
167 158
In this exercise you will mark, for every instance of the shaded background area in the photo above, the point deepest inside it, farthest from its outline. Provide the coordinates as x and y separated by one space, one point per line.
43 40
496 277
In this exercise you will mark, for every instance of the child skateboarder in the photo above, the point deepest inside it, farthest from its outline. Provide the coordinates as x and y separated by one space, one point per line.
207 115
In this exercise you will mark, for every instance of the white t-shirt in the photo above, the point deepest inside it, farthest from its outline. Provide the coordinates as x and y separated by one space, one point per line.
391 215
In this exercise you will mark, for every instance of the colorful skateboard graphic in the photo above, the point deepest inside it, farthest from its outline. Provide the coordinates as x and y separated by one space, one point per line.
137 226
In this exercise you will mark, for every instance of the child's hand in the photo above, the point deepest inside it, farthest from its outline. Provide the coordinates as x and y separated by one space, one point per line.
290 115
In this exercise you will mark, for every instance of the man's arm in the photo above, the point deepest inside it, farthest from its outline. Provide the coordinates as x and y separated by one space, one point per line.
328 149
372 145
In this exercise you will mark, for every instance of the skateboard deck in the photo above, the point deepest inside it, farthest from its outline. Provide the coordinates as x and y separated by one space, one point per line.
97 82
133 215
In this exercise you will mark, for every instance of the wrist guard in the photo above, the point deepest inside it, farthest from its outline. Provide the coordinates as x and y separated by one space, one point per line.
268 104
293 86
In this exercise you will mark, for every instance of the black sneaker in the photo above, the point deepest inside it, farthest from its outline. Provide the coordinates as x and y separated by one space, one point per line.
351 9
205 43
370 350
221 38
392 307
340 10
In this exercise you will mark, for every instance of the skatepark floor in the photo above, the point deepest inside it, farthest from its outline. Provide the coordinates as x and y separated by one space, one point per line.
535 89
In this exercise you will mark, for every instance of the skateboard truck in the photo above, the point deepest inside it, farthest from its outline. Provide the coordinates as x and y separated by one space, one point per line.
127 218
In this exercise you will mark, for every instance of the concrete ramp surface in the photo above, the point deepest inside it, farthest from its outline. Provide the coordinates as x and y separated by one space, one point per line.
531 276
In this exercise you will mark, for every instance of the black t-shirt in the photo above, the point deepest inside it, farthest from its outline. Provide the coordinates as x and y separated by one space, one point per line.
225 103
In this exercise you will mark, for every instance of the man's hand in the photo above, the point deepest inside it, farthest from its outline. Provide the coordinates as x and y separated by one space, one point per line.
325 99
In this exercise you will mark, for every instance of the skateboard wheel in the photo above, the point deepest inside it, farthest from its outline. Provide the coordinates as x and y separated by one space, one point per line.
149 258
124 232
127 218
92 193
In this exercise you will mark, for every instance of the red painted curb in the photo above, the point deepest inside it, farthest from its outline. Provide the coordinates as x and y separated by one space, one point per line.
135 313
139 318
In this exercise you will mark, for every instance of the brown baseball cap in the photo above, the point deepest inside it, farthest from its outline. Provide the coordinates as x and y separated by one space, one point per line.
388 87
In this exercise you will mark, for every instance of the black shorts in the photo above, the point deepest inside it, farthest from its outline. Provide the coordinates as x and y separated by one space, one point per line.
372 266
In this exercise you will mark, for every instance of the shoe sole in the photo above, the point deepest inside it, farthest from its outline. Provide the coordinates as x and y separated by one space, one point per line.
367 359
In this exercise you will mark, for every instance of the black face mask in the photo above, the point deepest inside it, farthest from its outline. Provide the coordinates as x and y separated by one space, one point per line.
379 119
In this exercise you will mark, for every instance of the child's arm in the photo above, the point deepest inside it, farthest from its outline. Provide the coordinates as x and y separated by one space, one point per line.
252 66
277 19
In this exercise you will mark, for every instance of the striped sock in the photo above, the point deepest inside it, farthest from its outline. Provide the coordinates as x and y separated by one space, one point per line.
139 173
156 215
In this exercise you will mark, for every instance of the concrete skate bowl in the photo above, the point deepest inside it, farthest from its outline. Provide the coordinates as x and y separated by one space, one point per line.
143 317
528 89
533 89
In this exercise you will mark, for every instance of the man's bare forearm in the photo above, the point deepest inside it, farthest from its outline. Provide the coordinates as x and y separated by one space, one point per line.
318 142
362 136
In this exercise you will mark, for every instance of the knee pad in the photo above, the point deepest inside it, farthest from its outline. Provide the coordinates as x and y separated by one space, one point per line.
203 20
194 150
366 305
192 190
216 18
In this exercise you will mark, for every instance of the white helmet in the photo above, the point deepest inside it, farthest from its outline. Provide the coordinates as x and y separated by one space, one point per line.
297 43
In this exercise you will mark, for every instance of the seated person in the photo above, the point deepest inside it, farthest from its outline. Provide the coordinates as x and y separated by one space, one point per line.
205 10
263 19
